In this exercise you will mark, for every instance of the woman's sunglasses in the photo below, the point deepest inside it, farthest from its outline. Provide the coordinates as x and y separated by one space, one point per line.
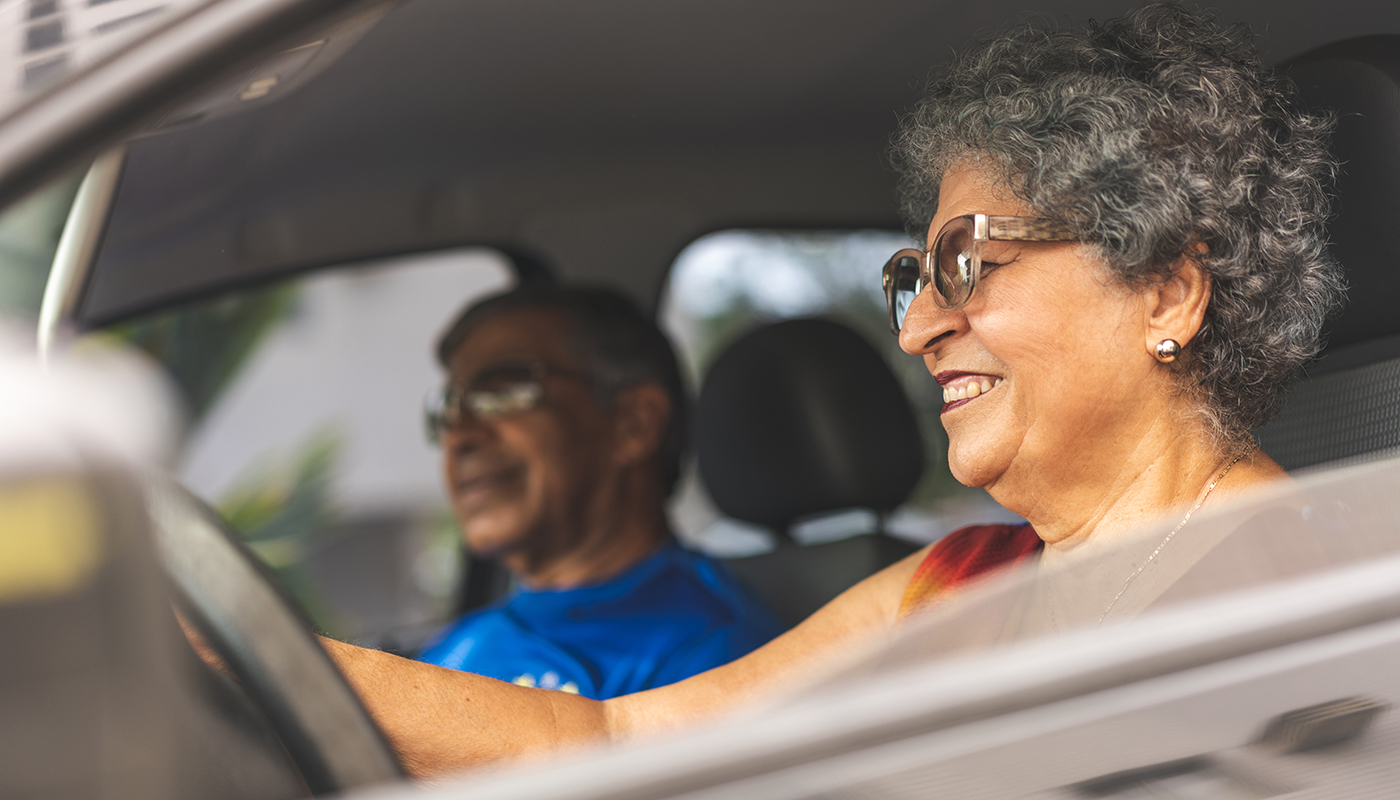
954 262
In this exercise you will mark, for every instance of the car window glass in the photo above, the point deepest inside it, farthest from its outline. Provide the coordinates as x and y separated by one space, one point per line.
305 430
728 283
29 233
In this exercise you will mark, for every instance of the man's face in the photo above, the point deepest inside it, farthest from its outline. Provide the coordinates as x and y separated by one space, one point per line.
522 484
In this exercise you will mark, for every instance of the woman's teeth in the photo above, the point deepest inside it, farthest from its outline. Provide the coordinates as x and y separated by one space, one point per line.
971 389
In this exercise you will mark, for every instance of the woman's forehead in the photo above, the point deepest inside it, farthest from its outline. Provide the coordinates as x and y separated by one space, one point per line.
972 186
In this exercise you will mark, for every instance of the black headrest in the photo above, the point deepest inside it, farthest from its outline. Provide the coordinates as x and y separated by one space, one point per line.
1359 80
802 417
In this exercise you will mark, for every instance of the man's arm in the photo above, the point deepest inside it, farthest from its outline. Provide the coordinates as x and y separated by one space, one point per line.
440 720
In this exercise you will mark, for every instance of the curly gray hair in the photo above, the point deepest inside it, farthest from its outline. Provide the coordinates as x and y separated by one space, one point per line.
1150 135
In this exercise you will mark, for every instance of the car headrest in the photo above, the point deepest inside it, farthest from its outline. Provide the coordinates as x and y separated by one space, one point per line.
1359 81
803 417
1346 406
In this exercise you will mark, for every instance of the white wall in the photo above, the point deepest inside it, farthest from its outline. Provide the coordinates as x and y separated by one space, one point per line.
357 354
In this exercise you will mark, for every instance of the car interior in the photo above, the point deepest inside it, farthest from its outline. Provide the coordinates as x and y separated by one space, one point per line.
575 142
794 419
1355 79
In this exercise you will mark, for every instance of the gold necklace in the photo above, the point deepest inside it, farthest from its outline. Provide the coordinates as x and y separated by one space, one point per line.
1179 526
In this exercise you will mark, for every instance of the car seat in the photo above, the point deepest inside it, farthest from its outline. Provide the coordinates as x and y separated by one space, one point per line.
1346 406
797 419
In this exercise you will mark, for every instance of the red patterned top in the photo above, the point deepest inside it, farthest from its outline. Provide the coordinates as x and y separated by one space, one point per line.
964 554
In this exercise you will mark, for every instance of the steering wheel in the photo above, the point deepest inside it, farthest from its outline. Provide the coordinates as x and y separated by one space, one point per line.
231 598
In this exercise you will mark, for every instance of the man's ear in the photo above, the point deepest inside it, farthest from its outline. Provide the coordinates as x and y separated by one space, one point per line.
1176 307
640 414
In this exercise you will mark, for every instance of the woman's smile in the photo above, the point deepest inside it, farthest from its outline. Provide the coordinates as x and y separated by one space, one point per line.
961 388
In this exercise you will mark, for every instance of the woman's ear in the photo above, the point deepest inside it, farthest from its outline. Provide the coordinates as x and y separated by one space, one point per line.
1176 306
640 413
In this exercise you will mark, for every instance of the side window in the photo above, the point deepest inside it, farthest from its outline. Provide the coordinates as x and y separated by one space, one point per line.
29 233
730 282
305 429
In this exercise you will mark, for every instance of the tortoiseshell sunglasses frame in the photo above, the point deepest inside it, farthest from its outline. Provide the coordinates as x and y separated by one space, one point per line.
983 228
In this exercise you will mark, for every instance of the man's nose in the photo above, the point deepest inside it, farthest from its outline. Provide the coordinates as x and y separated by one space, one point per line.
466 436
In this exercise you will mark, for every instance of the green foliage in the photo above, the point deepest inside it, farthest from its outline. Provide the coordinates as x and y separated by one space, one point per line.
29 233
205 344
439 566
287 498
281 507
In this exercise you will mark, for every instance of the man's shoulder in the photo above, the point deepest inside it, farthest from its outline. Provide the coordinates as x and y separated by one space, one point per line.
677 595
458 635
688 616
673 615
684 581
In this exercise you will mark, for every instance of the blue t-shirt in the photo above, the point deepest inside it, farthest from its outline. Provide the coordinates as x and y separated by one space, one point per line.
674 614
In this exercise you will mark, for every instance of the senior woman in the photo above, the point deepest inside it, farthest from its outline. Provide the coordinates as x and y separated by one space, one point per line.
1125 265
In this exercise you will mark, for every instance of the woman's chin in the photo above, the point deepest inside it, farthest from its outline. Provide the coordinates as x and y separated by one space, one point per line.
970 474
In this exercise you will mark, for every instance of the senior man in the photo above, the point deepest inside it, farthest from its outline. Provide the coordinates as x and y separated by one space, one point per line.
562 428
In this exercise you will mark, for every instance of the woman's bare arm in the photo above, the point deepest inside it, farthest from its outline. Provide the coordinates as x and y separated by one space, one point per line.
440 720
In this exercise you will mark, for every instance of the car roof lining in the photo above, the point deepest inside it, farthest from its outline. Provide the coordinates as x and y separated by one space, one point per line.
601 138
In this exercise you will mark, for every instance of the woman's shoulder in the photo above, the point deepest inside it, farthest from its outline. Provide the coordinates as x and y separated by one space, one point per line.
973 549
965 554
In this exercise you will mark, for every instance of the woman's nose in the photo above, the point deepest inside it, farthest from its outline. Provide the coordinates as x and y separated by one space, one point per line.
926 325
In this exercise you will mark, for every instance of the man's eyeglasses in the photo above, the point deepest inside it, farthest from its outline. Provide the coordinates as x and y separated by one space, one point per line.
496 391
954 262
